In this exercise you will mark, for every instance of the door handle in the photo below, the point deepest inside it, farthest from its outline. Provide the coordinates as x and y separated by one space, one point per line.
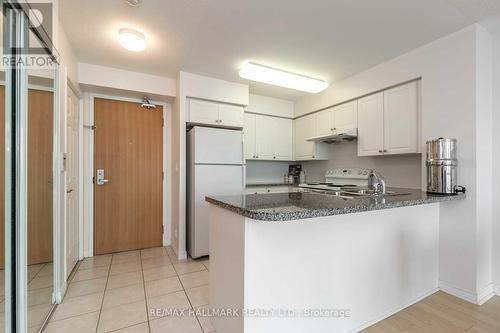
100 180
69 191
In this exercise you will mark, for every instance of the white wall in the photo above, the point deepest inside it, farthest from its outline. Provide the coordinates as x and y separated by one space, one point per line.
192 85
100 76
448 68
398 170
270 106
484 160
496 160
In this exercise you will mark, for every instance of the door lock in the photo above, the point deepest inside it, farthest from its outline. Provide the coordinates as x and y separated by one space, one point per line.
100 180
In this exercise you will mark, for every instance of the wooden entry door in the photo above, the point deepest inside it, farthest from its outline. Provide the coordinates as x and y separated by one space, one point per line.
128 146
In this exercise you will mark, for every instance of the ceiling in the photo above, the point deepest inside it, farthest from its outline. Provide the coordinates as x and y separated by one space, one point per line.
325 39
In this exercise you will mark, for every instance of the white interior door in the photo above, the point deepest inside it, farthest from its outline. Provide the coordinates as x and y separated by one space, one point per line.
72 185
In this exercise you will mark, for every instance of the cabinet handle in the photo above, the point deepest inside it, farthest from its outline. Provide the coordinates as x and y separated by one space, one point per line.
380 151
274 157
385 150
313 156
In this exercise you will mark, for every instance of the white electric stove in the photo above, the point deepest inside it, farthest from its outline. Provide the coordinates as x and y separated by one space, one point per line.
340 180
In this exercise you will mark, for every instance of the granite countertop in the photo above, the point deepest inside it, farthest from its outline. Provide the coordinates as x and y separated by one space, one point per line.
303 205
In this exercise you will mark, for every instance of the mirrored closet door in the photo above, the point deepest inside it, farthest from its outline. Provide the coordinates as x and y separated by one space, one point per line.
29 172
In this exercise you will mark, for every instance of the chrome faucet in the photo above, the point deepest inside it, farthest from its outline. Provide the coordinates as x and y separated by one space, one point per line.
376 182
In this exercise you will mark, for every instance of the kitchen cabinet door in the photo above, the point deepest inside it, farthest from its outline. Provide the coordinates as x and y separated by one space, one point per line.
249 136
282 139
345 117
400 119
371 125
324 122
304 129
231 115
264 137
203 112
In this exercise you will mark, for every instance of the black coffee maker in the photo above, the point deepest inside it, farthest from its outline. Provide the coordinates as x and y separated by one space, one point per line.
294 171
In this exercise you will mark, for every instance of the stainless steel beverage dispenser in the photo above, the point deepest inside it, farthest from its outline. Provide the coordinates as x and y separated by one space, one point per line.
442 167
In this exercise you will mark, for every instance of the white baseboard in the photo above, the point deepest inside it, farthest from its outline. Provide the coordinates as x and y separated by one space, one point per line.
394 311
182 255
167 241
476 298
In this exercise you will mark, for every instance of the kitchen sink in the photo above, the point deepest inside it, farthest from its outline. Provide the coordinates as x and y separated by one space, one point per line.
363 193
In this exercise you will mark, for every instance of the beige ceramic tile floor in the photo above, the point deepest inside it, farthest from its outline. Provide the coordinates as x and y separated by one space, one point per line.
118 293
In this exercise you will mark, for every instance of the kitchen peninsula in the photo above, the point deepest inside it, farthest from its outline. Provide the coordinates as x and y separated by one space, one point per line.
357 260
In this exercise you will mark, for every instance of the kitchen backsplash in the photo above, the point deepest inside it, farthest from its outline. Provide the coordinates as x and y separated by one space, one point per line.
266 172
398 170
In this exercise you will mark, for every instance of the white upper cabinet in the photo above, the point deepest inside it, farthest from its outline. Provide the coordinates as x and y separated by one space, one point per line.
249 136
371 125
400 119
203 112
231 115
305 128
268 138
388 122
345 117
264 137
282 134
324 122
216 114
337 119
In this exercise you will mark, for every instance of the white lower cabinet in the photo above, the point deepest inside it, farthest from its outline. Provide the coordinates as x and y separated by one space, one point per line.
388 122
269 189
268 138
305 128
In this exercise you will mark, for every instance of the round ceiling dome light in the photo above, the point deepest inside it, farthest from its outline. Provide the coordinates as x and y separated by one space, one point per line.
134 3
132 40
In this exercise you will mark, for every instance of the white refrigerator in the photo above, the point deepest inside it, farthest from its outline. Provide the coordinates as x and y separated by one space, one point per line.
216 166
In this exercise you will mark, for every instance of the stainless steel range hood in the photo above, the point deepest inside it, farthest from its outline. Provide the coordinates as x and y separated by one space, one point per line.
348 135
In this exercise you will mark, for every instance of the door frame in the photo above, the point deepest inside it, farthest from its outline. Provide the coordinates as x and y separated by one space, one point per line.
70 86
88 167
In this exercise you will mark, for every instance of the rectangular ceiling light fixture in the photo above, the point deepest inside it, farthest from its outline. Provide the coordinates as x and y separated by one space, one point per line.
260 73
